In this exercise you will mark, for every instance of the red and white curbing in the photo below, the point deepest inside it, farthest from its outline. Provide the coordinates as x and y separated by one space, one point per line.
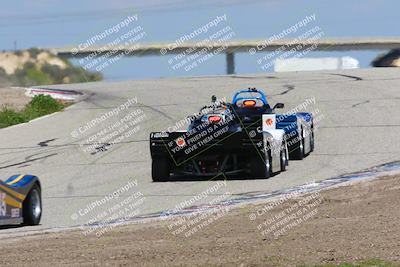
67 95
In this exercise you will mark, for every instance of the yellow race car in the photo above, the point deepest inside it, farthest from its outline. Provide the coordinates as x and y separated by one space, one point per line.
20 200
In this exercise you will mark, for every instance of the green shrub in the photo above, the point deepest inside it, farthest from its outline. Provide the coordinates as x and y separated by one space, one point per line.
53 71
39 106
10 117
26 76
38 76
3 72
4 81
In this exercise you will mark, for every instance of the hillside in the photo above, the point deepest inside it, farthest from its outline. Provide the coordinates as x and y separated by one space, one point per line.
39 67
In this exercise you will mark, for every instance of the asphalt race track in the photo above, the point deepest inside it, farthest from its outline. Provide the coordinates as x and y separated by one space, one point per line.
359 128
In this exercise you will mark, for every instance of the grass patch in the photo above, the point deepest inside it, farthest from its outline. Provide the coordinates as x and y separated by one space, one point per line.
365 263
10 117
40 105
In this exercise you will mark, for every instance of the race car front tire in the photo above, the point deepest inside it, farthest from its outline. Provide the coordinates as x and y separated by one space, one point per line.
32 206
160 170
260 168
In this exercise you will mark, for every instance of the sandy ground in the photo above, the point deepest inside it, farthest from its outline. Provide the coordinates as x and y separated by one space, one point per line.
13 97
346 224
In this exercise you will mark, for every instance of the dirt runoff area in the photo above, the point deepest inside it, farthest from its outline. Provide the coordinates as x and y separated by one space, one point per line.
13 97
345 224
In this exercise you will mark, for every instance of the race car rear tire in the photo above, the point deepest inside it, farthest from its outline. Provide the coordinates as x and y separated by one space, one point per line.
260 168
297 150
160 170
32 206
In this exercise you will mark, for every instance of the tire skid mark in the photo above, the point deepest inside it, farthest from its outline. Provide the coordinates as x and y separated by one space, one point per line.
361 103
28 159
355 78
289 88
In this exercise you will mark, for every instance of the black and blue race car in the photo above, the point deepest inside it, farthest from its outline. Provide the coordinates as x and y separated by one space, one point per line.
235 138
243 137
20 200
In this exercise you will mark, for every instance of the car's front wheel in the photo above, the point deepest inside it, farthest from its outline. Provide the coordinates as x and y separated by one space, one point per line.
32 206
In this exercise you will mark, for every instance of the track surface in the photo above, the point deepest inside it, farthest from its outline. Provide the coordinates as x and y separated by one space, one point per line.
360 129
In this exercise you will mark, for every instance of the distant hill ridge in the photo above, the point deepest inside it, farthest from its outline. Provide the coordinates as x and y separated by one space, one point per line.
39 67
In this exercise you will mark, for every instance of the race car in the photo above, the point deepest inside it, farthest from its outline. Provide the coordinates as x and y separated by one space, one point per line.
250 104
215 142
20 200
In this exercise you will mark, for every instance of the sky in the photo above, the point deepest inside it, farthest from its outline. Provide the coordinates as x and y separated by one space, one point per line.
54 23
